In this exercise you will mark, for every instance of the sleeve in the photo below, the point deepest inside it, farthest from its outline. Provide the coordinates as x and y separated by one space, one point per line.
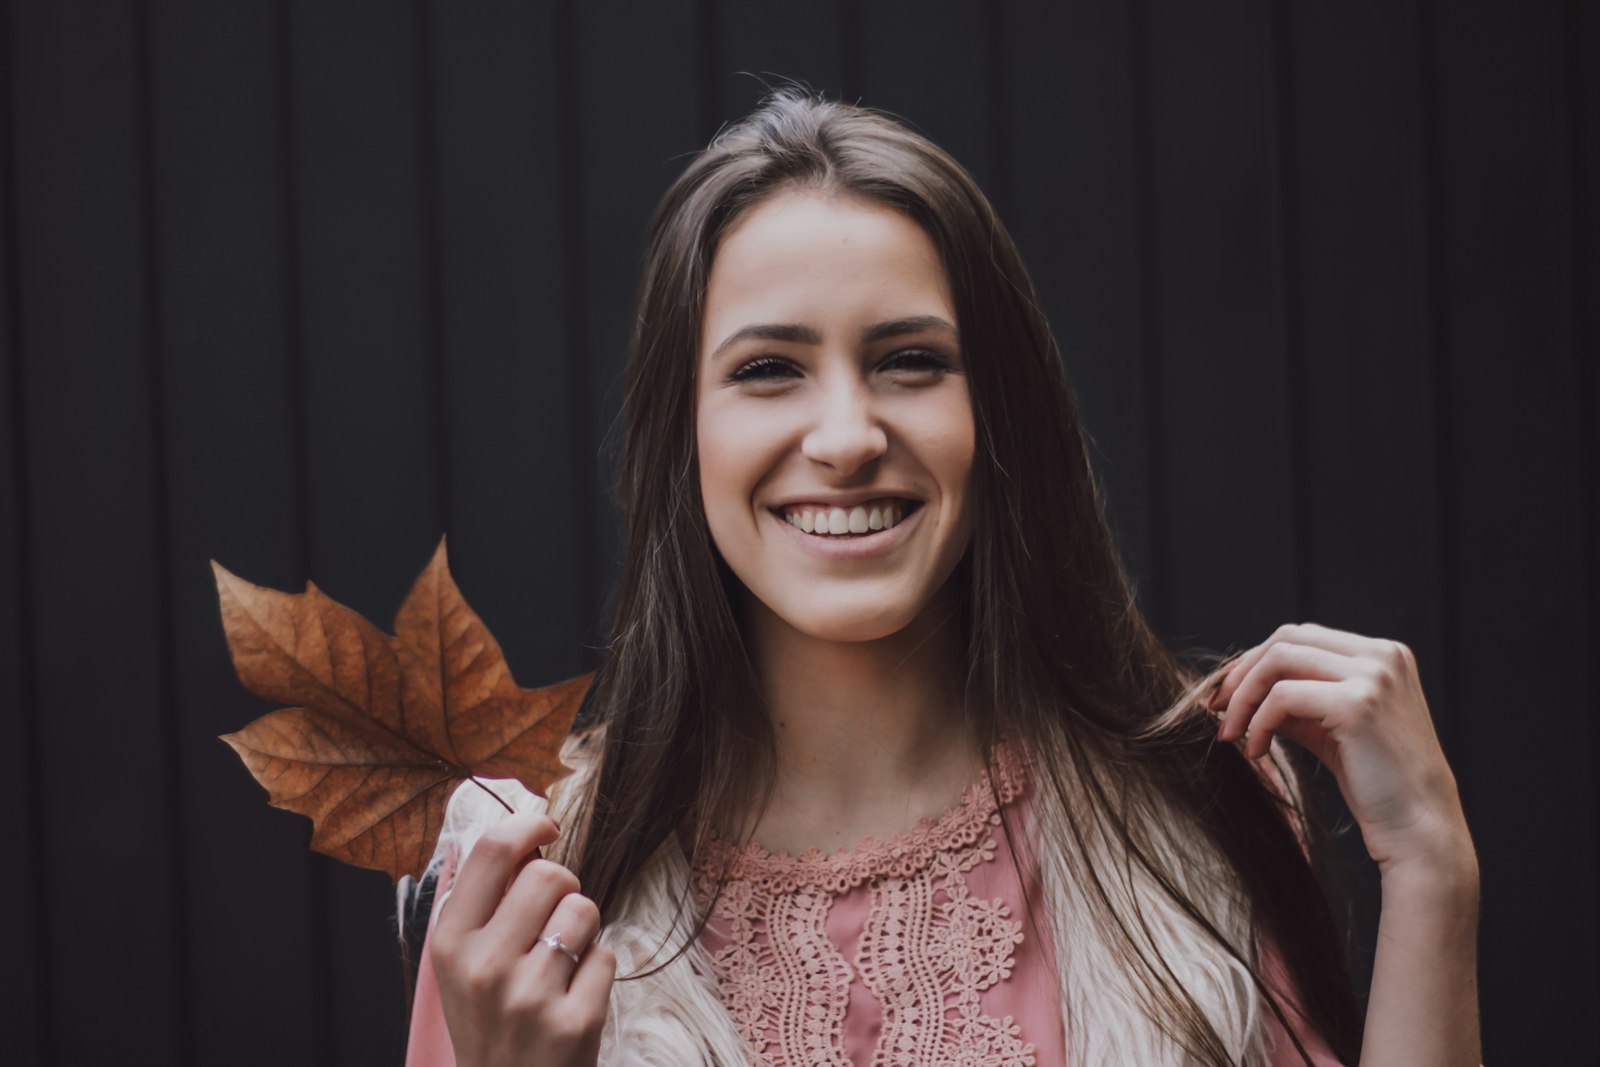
429 1042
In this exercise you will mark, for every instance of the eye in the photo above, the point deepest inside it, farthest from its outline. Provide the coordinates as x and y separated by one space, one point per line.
764 367
918 361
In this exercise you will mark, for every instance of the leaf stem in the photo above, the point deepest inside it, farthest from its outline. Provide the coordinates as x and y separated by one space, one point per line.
492 793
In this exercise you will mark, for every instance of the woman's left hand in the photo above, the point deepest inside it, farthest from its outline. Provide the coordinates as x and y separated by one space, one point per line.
1356 703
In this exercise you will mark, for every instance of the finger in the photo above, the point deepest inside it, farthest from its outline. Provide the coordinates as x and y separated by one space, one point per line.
577 920
1291 704
1217 676
490 866
1280 662
591 983
1300 633
521 917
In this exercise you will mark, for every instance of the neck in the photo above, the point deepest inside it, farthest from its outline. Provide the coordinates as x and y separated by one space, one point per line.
870 735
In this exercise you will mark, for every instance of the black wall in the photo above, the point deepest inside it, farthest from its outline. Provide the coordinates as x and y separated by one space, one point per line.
302 286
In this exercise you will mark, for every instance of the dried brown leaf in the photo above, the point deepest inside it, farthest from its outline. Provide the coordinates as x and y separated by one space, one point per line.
384 729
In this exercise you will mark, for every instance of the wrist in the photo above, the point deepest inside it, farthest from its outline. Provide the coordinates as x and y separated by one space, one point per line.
1443 864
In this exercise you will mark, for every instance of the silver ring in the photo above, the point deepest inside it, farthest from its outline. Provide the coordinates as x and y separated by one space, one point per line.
555 942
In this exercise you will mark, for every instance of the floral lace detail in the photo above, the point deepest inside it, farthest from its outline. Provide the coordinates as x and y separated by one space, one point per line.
927 952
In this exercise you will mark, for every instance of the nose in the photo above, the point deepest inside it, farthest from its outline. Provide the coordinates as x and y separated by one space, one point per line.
846 434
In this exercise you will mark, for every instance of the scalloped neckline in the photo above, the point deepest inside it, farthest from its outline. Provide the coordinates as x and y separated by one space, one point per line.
902 854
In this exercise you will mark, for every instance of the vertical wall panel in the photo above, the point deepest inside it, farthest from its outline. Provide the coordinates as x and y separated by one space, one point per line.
1362 330
1224 568
371 406
635 135
1583 122
751 56
516 499
1508 217
1073 213
926 63
234 498
1358 334
302 287
24 1025
97 623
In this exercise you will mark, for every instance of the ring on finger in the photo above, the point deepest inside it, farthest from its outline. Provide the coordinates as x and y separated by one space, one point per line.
554 941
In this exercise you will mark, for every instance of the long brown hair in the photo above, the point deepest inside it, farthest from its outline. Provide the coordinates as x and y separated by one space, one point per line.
1059 658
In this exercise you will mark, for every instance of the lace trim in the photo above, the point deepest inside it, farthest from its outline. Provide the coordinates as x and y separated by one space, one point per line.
920 954
927 952
902 856
760 975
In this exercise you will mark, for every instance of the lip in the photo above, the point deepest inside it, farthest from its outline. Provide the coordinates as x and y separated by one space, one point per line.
842 500
849 549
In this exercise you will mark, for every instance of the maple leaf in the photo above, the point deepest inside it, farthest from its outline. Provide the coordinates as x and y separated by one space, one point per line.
384 729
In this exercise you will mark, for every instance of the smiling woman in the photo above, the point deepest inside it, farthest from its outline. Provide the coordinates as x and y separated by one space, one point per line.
839 340
884 764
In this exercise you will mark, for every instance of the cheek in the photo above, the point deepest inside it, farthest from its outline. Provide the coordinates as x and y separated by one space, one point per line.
952 451
732 452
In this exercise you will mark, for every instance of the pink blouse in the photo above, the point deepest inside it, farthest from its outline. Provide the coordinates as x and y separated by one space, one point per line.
913 951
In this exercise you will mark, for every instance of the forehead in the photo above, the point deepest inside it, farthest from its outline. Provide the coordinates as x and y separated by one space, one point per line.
822 260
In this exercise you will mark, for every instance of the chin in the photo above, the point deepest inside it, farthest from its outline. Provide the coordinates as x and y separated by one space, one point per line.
834 623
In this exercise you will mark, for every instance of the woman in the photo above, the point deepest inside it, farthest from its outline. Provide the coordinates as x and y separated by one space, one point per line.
867 566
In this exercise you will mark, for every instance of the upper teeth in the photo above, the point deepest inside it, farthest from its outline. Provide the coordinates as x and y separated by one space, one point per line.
873 515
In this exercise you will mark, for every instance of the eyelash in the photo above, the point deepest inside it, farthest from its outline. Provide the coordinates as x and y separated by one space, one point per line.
757 368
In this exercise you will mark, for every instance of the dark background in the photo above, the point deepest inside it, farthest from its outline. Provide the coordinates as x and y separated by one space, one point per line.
302 286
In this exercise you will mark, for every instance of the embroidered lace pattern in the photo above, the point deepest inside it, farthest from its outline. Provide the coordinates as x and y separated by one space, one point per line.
927 952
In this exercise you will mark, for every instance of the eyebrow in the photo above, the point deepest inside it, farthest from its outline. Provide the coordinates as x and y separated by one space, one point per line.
806 335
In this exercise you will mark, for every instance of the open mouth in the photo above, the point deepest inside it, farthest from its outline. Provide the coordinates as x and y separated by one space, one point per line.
843 523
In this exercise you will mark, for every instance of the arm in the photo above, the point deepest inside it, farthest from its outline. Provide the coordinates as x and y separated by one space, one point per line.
1356 704
1423 1008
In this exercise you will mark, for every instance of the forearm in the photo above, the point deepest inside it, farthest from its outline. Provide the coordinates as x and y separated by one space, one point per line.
1423 1008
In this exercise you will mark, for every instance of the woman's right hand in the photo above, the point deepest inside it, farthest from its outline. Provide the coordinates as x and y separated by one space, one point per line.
508 997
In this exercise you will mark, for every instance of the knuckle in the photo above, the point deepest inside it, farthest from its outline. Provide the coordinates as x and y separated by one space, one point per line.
1389 666
481 977
1279 653
530 822
583 909
1366 694
443 945
494 847
552 876
507 840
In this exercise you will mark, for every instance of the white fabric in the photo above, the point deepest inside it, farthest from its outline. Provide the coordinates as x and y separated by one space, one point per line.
675 1017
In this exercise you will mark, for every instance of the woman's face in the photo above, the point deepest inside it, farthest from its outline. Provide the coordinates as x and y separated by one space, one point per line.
833 424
